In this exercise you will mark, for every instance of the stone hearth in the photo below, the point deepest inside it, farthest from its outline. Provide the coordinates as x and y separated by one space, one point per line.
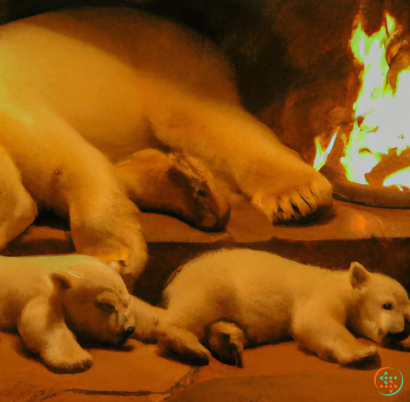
376 237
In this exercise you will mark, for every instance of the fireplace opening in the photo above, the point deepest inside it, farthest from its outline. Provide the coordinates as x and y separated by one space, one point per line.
368 161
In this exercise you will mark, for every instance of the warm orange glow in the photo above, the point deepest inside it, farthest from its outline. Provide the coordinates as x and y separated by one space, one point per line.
382 119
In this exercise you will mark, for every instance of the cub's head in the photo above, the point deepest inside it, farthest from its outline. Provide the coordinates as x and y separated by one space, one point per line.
95 302
381 308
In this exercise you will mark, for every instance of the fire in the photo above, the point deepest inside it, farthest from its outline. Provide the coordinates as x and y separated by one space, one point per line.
382 121
321 155
401 176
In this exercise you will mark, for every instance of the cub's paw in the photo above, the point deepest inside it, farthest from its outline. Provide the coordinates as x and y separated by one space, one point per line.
67 360
226 341
304 193
183 344
358 356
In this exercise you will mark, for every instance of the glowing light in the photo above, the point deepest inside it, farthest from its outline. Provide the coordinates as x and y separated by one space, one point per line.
321 156
400 178
382 118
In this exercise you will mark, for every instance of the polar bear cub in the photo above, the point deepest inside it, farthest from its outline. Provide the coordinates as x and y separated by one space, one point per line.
231 299
49 299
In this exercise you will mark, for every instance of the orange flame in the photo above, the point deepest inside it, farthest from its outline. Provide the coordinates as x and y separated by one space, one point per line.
382 123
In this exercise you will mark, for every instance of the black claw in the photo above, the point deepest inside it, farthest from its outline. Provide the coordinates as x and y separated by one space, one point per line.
235 355
195 358
305 201
188 356
201 359
240 362
296 209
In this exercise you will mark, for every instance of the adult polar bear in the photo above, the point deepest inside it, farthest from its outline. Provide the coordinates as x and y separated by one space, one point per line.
87 95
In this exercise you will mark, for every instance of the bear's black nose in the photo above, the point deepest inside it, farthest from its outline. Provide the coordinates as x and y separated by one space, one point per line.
130 331
127 333
400 336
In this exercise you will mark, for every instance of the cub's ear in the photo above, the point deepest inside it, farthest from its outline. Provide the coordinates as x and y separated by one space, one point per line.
61 280
359 275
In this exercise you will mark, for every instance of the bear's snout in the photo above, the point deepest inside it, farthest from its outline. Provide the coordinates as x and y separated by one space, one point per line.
402 335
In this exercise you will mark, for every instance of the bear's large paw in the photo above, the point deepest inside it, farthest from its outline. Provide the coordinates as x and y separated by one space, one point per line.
226 341
358 355
184 344
67 360
306 192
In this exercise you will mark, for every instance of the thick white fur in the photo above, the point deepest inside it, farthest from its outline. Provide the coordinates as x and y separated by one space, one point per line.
231 299
50 300
84 91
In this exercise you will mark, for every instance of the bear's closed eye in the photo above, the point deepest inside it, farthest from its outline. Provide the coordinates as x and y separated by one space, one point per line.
107 307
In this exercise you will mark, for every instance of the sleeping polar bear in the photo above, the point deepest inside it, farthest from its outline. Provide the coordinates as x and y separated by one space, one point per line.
91 98
231 299
49 299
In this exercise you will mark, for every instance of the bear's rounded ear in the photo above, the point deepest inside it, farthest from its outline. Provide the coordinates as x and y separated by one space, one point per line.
359 275
61 280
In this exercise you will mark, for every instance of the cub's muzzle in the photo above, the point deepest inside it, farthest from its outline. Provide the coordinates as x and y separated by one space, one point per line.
400 336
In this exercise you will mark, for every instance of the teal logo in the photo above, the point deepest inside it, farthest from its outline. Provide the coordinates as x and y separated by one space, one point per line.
388 381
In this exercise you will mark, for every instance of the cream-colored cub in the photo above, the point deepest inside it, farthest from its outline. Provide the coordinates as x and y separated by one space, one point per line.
231 299
89 101
49 299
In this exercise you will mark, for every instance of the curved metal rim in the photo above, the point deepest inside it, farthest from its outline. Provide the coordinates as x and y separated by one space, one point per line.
374 196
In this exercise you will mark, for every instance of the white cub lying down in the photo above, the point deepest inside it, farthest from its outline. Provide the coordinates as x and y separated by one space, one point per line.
49 299
232 299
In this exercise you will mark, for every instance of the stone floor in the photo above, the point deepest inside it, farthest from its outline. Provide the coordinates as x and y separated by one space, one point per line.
272 373
276 373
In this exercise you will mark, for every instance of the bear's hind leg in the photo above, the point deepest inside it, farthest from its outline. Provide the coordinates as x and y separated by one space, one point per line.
17 208
226 341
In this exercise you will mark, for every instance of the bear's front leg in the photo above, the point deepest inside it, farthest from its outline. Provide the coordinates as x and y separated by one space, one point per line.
329 339
65 173
17 208
107 226
43 330
230 140
104 221
153 324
